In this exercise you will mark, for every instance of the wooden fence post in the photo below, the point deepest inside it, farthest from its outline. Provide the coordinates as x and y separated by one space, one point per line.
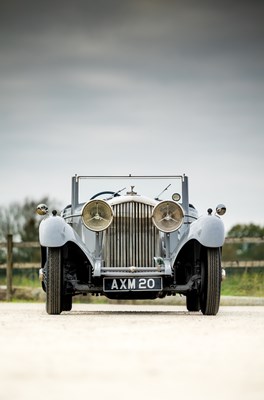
9 267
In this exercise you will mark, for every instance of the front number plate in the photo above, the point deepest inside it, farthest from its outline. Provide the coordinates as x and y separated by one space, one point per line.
132 284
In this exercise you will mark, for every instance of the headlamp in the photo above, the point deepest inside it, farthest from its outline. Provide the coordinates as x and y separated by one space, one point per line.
167 216
97 215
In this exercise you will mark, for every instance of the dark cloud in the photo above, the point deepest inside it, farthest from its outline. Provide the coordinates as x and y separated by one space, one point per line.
158 38
142 84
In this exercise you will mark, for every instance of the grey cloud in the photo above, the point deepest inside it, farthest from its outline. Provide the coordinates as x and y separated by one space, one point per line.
145 84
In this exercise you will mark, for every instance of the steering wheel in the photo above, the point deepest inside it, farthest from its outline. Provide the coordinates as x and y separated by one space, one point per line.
104 192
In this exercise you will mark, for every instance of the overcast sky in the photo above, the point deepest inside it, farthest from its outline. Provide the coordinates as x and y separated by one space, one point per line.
134 86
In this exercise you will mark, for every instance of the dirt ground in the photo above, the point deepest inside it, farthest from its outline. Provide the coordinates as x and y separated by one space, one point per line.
131 352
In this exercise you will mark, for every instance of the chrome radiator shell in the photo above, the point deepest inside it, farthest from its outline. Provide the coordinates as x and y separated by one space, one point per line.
132 240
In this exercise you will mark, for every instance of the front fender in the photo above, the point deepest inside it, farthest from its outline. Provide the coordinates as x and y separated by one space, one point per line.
55 232
208 230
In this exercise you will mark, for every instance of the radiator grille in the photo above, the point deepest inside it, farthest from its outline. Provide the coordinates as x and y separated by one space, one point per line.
131 239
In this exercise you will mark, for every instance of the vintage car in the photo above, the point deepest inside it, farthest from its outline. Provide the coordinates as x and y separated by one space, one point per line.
123 243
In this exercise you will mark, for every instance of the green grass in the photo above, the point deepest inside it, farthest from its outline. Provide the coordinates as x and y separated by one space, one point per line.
22 277
243 282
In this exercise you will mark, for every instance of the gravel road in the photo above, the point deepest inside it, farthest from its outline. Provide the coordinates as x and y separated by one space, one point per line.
131 352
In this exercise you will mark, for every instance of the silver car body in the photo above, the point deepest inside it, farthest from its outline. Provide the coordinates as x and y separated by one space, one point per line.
131 245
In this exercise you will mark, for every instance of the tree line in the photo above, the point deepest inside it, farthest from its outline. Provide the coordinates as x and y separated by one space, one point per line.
21 220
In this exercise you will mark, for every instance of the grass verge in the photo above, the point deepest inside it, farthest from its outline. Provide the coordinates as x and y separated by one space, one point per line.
244 282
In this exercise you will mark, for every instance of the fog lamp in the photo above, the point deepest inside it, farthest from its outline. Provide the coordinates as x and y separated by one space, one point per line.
221 209
42 209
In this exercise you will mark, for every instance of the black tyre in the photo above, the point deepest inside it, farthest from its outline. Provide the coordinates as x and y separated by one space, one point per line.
193 302
210 281
54 281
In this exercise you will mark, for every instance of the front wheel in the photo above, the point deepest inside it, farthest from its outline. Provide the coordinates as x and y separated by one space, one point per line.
210 281
54 281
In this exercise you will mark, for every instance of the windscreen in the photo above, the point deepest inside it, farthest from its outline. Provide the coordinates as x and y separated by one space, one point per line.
162 187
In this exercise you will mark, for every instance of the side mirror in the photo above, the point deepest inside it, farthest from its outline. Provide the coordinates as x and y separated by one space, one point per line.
221 209
42 209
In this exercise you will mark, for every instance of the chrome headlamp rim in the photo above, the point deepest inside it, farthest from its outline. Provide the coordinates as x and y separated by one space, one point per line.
168 216
97 215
